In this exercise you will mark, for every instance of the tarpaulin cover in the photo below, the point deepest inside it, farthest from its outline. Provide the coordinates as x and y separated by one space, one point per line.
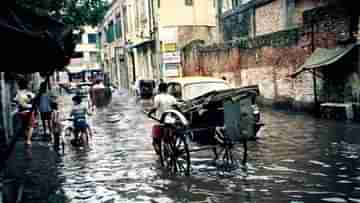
324 57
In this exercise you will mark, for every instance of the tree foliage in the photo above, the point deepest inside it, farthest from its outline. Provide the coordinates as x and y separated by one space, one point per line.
71 12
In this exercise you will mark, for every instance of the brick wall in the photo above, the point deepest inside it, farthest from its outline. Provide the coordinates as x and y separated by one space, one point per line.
300 7
268 60
331 25
267 18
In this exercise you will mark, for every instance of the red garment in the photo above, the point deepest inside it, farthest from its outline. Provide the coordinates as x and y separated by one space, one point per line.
28 118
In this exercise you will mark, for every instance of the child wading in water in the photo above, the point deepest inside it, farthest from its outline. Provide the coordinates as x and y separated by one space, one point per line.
81 127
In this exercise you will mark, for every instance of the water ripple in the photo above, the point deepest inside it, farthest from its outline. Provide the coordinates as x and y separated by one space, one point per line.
297 159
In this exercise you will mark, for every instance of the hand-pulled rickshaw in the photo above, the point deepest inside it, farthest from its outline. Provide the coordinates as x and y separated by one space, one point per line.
217 121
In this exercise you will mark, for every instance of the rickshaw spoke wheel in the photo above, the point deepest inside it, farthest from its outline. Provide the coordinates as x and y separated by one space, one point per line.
175 154
227 156
182 156
165 154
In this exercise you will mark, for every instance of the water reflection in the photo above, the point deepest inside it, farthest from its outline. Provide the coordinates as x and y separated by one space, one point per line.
297 159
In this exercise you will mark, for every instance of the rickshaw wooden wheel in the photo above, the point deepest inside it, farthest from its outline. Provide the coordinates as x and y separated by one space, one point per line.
174 153
224 151
226 155
174 150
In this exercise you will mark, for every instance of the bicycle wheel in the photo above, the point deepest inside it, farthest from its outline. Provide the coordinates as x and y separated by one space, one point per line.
174 150
174 153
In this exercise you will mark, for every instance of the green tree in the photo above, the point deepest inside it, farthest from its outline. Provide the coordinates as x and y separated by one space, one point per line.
71 12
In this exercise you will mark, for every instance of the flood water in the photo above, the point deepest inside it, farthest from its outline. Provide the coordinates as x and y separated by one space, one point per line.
296 159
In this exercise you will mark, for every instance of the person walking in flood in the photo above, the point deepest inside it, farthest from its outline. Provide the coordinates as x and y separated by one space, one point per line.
24 99
45 109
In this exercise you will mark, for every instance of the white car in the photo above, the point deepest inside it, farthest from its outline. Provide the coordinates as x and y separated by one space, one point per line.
186 88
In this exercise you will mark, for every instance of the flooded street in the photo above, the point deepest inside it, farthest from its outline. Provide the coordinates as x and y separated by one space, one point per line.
296 159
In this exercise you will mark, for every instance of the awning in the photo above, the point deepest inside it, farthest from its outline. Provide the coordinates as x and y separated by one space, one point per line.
324 57
138 44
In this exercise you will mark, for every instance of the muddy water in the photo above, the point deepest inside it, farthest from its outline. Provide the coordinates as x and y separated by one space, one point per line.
297 159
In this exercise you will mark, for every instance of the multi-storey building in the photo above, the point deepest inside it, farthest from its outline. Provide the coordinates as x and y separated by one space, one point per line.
126 42
86 52
142 39
112 44
180 23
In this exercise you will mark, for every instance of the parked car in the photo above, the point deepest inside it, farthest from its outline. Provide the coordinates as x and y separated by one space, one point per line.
186 88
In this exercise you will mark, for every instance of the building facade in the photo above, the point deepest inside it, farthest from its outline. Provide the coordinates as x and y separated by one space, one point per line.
142 39
86 56
266 41
182 22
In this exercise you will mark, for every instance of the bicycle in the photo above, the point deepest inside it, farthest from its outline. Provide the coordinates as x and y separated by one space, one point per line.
80 135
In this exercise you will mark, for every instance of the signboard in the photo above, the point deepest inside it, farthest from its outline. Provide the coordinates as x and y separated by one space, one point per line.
171 70
171 57
168 47
168 34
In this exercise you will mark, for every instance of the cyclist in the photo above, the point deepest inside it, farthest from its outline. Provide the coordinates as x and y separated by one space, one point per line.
163 101
81 127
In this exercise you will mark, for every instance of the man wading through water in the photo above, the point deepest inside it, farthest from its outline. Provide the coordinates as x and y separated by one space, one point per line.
162 102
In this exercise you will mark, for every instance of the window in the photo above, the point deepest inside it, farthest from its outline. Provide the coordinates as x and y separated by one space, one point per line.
93 56
188 2
118 31
92 38
110 32
236 3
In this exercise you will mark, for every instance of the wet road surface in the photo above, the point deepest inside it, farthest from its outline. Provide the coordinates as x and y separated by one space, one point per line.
297 159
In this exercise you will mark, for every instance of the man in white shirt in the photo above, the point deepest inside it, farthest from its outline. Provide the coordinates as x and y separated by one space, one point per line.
24 98
163 101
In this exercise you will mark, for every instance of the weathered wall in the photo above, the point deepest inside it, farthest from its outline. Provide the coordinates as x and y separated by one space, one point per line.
269 67
268 18
237 24
331 26
176 13
187 34
143 63
6 124
268 60
300 7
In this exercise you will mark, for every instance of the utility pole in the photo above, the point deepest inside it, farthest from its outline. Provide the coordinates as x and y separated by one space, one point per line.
155 18
219 17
